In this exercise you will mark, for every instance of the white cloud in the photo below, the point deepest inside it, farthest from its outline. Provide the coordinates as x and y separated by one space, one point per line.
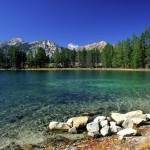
72 46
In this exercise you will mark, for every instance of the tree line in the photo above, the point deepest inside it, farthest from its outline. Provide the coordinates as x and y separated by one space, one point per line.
130 53
14 57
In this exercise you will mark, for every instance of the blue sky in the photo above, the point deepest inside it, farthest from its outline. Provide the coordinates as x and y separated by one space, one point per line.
73 21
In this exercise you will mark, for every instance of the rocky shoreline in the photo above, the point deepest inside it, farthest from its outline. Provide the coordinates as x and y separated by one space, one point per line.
79 132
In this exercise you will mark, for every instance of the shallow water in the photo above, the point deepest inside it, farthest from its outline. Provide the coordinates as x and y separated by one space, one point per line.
29 100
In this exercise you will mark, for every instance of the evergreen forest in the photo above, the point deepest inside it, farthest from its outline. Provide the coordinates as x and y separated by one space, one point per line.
131 53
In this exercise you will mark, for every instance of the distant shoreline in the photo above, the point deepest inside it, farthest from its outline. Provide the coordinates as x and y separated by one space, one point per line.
61 69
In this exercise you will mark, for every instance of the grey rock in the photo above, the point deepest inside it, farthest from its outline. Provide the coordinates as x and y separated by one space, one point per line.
93 127
94 134
73 130
104 123
108 118
58 126
128 123
115 129
121 137
138 121
148 116
105 131
99 118
135 114
112 123
79 122
118 118
127 132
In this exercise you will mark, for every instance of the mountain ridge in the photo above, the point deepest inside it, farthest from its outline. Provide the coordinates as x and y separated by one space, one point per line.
99 45
48 45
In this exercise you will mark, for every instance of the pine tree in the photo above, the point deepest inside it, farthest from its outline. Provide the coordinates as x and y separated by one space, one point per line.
137 55
83 58
1 58
89 63
40 58
30 59
127 53
73 54
117 61
107 56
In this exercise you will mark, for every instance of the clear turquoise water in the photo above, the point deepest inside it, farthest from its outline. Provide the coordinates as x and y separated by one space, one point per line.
29 100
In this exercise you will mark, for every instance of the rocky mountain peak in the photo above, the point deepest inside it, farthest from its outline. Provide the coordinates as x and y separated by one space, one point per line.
100 45
16 40
49 46
12 42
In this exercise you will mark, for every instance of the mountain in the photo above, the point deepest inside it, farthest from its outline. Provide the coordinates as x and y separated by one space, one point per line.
99 45
49 46
12 42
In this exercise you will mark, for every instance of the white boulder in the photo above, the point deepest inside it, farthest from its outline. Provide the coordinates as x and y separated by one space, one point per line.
148 116
112 123
99 118
104 123
128 123
115 129
94 134
58 126
138 121
73 130
118 118
93 127
135 114
79 122
127 132
105 131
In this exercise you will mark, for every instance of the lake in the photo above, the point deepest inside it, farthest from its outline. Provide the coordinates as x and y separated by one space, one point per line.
29 100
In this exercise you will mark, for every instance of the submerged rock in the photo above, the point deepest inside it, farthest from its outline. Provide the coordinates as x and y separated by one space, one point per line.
79 122
19 117
90 114
58 126
12 120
